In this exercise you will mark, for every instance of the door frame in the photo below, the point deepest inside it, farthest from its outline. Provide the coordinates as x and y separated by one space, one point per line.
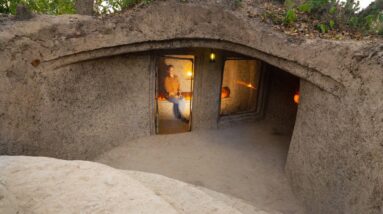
153 81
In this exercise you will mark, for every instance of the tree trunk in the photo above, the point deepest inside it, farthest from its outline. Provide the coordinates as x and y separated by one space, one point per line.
23 13
84 7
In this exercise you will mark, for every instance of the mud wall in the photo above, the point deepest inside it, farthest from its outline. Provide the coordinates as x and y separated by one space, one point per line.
332 167
85 108
207 90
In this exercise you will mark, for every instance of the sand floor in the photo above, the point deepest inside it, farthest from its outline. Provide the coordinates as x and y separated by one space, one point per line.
245 161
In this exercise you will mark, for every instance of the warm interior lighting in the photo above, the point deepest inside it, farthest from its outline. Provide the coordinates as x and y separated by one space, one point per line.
248 85
185 95
296 97
212 57
161 97
189 73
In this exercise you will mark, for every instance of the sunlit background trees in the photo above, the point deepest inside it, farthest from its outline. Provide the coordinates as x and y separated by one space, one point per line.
58 7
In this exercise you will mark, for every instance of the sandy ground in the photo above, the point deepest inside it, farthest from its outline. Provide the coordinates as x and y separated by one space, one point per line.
172 126
245 161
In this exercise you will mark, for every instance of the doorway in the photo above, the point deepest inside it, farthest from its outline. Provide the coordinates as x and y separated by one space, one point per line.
174 93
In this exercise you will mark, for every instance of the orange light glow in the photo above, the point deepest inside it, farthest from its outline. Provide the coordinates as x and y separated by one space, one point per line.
296 98
248 85
225 92
187 95
189 73
161 97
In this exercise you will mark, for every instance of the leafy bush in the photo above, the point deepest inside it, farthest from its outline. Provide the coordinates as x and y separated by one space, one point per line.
57 7
330 13
290 17
53 7
370 19
339 15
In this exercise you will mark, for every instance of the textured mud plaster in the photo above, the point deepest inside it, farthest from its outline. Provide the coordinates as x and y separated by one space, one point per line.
207 91
335 162
331 161
38 185
88 107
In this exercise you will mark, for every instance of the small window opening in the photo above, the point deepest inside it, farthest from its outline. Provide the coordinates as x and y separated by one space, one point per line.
240 86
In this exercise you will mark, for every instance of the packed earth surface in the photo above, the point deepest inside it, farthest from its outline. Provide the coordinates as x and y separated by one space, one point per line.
246 162
36 185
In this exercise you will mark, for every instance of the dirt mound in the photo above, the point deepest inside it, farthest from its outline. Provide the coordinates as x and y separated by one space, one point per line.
46 185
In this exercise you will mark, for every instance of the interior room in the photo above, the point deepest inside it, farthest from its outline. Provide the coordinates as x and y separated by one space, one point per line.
241 90
240 86
166 120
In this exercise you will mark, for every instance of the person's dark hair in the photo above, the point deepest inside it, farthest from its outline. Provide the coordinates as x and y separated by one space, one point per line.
168 67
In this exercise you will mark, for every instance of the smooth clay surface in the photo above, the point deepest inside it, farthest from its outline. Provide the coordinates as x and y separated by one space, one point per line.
36 185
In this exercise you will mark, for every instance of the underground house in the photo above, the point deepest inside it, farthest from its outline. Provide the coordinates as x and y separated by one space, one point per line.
76 87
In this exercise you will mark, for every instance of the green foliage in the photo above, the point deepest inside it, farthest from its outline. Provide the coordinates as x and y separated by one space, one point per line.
371 19
332 24
57 7
53 7
342 15
306 8
110 6
290 17
322 28
332 10
5 7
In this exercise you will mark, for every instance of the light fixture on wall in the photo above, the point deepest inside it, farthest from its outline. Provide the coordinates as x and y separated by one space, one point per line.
189 75
212 56
225 92
248 85
296 97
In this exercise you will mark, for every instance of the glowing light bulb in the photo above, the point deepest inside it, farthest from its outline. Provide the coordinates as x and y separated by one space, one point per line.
189 73
212 57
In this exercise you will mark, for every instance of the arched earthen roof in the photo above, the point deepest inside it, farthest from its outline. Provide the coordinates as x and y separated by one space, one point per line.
170 24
